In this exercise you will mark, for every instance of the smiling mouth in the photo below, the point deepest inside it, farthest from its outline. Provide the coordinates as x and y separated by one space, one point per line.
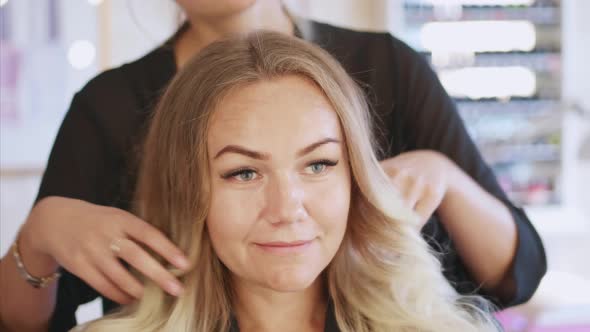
281 244
282 248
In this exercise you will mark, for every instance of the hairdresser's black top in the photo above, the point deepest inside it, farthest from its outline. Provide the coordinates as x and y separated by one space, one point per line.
330 324
91 157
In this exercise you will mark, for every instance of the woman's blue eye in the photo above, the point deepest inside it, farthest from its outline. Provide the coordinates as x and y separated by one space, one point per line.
246 175
317 168
320 166
241 175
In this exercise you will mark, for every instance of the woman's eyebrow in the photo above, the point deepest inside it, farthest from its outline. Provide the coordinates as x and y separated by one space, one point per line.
265 156
242 150
316 145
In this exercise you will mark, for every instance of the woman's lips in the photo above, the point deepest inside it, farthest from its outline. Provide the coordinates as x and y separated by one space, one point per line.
279 247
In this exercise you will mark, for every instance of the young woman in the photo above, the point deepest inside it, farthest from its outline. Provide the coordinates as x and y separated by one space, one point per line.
259 164
87 187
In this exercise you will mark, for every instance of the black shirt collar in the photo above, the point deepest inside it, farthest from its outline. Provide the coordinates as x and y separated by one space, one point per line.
330 324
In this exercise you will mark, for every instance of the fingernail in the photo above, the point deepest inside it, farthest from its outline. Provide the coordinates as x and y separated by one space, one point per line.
181 262
174 288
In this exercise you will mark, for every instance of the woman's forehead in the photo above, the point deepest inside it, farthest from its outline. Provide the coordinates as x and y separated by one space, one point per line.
278 109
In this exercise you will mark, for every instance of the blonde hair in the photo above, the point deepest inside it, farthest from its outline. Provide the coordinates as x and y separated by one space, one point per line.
382 279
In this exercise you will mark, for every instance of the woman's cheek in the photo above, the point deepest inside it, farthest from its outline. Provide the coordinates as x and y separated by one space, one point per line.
232 212
330 203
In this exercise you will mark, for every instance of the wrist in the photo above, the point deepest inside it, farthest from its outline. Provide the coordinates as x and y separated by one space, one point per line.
36 259
457 183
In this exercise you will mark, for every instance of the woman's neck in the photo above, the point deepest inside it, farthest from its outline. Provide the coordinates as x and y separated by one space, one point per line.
263 14
261 309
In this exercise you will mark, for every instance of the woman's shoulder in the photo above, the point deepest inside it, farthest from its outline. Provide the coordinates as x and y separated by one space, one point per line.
134 83
359 39
119 100
369 51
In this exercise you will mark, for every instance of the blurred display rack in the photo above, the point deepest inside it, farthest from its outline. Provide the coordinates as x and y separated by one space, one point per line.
519 136
540 13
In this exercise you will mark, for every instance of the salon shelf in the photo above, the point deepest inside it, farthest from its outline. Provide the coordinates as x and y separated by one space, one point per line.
539 61
541 15
535 4
524 107
548 39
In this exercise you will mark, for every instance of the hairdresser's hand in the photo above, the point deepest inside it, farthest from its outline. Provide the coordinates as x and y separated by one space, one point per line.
422 177
81 236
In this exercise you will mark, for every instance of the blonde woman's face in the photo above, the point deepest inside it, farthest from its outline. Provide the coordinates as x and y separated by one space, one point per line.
280 183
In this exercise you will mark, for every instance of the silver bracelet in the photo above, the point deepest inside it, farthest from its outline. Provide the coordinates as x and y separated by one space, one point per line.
31 280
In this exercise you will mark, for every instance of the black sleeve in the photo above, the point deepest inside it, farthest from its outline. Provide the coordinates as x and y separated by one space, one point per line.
75 169
431 121
77 163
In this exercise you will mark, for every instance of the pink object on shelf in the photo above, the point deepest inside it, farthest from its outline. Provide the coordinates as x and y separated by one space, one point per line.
512 321
578 328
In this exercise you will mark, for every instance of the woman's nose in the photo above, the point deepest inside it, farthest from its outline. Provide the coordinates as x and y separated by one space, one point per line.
284 200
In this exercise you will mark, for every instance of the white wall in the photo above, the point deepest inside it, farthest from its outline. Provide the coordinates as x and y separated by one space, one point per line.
133 27
576 89
576 51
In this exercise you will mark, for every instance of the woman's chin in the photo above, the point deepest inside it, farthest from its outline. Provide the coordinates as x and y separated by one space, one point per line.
289 281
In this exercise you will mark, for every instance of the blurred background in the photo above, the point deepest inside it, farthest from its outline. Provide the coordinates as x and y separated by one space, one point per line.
519 71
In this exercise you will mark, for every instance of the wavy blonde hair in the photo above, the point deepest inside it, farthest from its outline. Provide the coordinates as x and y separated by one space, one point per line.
383 277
